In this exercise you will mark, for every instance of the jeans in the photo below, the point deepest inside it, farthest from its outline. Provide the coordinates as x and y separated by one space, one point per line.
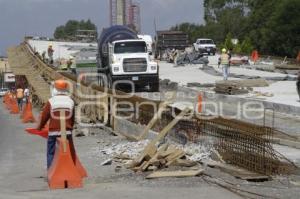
51 147
298 87
225 72
20 103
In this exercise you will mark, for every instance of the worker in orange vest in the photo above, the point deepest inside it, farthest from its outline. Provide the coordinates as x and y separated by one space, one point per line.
51 113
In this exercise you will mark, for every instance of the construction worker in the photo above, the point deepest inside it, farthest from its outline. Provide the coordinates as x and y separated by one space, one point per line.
224 61
298 84
20 96
44 56
51 113
50 54
72 65
63 65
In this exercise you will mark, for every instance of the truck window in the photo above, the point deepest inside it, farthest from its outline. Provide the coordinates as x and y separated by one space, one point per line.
207 41
130 47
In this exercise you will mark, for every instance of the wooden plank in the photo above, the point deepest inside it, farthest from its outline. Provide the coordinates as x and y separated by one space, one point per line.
244 83
150 149
237 172
154 158
184 163
177 174
171 159
155 118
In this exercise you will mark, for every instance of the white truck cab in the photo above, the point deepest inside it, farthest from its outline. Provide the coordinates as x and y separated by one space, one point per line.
130 60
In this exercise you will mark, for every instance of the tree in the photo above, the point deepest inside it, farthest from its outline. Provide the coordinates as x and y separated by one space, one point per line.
270 26
68 31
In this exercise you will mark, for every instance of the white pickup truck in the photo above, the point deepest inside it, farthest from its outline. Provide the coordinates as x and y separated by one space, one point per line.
205 46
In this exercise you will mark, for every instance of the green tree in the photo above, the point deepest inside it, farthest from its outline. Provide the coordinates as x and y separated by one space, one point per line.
246 46
68 31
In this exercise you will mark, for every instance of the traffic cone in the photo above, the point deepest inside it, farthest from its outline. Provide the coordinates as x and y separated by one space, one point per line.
77 162
14 109
5 98
199 105
63 172
8 102
28 115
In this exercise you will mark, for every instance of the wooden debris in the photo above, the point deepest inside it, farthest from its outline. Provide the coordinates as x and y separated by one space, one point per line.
177 174
245 83
239 172
165 156
237 87
150 150
184 163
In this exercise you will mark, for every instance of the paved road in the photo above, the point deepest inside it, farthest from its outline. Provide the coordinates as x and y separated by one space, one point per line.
22 172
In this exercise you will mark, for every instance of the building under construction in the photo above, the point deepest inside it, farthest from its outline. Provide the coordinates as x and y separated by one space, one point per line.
125 12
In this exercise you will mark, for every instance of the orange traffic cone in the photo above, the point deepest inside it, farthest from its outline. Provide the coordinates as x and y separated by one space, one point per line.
14 109
5 98
8 102
77 162
44 134
200 103
63 173
28 115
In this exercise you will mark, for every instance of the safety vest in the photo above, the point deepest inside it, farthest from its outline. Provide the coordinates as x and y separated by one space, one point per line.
224 59
64 66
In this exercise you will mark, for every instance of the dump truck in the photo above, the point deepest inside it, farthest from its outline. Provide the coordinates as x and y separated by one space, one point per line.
123 59
164 40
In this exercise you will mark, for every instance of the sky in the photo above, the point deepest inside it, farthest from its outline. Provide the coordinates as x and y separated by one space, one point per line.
40 17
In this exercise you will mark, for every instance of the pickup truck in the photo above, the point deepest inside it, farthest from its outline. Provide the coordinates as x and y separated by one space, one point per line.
205 46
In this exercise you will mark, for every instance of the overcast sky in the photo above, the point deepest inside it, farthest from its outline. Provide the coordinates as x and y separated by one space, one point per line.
40 17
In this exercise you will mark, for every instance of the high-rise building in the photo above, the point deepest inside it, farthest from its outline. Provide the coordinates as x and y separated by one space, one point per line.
119 11
124 12
135 17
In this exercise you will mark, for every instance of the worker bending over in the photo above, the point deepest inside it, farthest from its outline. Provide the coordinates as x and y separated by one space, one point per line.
51 113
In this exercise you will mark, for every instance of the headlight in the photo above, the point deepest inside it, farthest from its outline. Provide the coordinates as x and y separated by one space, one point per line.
153 67
116 69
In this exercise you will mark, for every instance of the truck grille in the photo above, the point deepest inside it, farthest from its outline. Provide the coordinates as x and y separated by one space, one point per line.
135 65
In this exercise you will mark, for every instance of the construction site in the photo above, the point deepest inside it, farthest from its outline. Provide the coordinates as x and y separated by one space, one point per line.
152 118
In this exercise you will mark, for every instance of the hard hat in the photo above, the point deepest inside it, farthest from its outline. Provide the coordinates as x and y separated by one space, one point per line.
71 57
61 84
50 45
224 50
